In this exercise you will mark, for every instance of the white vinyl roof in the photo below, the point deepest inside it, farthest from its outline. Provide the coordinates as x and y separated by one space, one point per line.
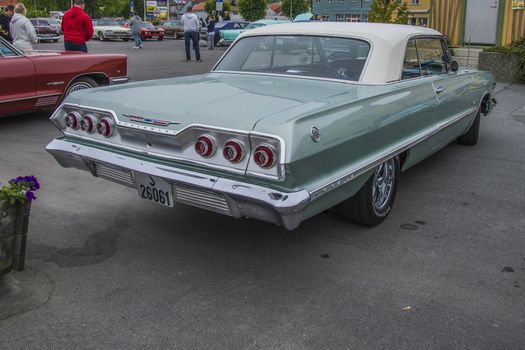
388 42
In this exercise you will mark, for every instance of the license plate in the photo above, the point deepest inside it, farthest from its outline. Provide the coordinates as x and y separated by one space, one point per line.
154 189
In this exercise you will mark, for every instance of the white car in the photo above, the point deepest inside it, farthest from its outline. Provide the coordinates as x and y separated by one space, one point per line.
109 29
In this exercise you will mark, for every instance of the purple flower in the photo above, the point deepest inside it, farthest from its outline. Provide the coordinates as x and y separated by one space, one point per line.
31 181
30 196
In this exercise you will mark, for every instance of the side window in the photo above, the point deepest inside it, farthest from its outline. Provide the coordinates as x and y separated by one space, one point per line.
411 67
432 58
7 51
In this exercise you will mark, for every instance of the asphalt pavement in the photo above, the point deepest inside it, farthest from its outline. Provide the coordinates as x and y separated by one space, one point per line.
107 270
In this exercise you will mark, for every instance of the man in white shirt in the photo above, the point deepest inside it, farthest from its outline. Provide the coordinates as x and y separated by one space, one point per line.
191 27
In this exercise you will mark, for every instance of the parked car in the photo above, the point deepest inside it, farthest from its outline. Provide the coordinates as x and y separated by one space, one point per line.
44 30
225 25
55 23
39 80
172 29
149 31
123 23
109 29
330 122
228 36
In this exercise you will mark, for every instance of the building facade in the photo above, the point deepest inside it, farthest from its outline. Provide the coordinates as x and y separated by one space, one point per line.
480 22
342 10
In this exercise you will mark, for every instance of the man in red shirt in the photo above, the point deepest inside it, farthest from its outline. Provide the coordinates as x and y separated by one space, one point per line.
77 27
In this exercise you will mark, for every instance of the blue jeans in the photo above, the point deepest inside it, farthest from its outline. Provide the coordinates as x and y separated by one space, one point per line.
71 46
193 36
138 40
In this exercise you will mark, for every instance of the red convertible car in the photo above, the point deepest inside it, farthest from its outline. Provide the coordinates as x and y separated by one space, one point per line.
38 80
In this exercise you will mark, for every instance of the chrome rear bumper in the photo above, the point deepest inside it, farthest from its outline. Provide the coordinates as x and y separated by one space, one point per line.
226 196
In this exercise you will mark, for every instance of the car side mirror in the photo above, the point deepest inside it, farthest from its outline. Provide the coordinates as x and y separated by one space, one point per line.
454 66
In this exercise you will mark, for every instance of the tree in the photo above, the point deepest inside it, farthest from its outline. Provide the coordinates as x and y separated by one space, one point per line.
292 8
388 11
252 10
210 6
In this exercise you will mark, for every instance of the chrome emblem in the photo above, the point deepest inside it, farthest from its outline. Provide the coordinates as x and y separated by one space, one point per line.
315 134
151 121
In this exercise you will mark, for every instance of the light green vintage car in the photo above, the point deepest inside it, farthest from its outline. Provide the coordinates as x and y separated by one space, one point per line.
296 118
109 29
228 36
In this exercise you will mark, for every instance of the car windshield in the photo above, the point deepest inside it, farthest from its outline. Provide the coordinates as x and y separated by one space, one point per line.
107 22
148 25
255 25
220 24
53 21
313 56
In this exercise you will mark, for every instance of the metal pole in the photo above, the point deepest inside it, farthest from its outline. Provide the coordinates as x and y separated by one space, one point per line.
291 12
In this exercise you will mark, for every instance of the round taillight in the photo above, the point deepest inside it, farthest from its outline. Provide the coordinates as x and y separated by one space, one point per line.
88 123
104 127
205 146
264 156
233 151
72 120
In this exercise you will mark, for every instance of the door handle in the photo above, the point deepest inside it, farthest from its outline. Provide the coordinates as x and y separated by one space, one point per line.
440 89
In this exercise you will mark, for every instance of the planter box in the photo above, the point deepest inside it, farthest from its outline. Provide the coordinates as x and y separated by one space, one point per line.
504 66
14 221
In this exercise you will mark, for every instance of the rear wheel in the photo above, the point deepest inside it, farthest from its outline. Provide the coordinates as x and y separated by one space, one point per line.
373 202
472 136
81 84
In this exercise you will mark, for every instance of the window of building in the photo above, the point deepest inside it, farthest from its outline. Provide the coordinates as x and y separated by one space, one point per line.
423 22
339 17
415 2
352 18
325 17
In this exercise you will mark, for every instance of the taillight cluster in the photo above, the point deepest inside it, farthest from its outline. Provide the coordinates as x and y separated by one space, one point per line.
234 151
89 123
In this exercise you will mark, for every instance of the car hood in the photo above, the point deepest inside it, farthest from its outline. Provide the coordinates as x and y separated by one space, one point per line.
231 33
235 101
113 28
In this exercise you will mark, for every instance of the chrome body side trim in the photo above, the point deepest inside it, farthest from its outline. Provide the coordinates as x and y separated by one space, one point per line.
118 80
244 199
362 168
28 98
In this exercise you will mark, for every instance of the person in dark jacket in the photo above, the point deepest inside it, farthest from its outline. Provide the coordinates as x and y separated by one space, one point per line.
77 27
210 23
5 18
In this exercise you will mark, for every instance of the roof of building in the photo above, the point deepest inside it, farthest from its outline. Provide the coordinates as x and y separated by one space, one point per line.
387 42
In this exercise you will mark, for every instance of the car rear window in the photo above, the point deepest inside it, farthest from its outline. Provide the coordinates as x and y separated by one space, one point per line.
313 56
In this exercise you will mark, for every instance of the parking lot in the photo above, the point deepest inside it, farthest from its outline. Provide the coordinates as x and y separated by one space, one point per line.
107 270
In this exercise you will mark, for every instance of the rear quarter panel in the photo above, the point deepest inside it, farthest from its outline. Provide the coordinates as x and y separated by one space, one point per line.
353 134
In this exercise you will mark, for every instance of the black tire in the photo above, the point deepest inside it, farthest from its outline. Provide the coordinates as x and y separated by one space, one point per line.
363 208
101 36
125 39
142 38
80 84
161 38
472 136
55 40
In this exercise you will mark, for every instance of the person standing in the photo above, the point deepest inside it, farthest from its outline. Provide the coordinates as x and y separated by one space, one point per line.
22 30
5 18
226 16
190 25
136 25
77 27
211 20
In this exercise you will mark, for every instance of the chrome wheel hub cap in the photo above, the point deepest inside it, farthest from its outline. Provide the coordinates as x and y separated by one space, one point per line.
79 86
383 183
